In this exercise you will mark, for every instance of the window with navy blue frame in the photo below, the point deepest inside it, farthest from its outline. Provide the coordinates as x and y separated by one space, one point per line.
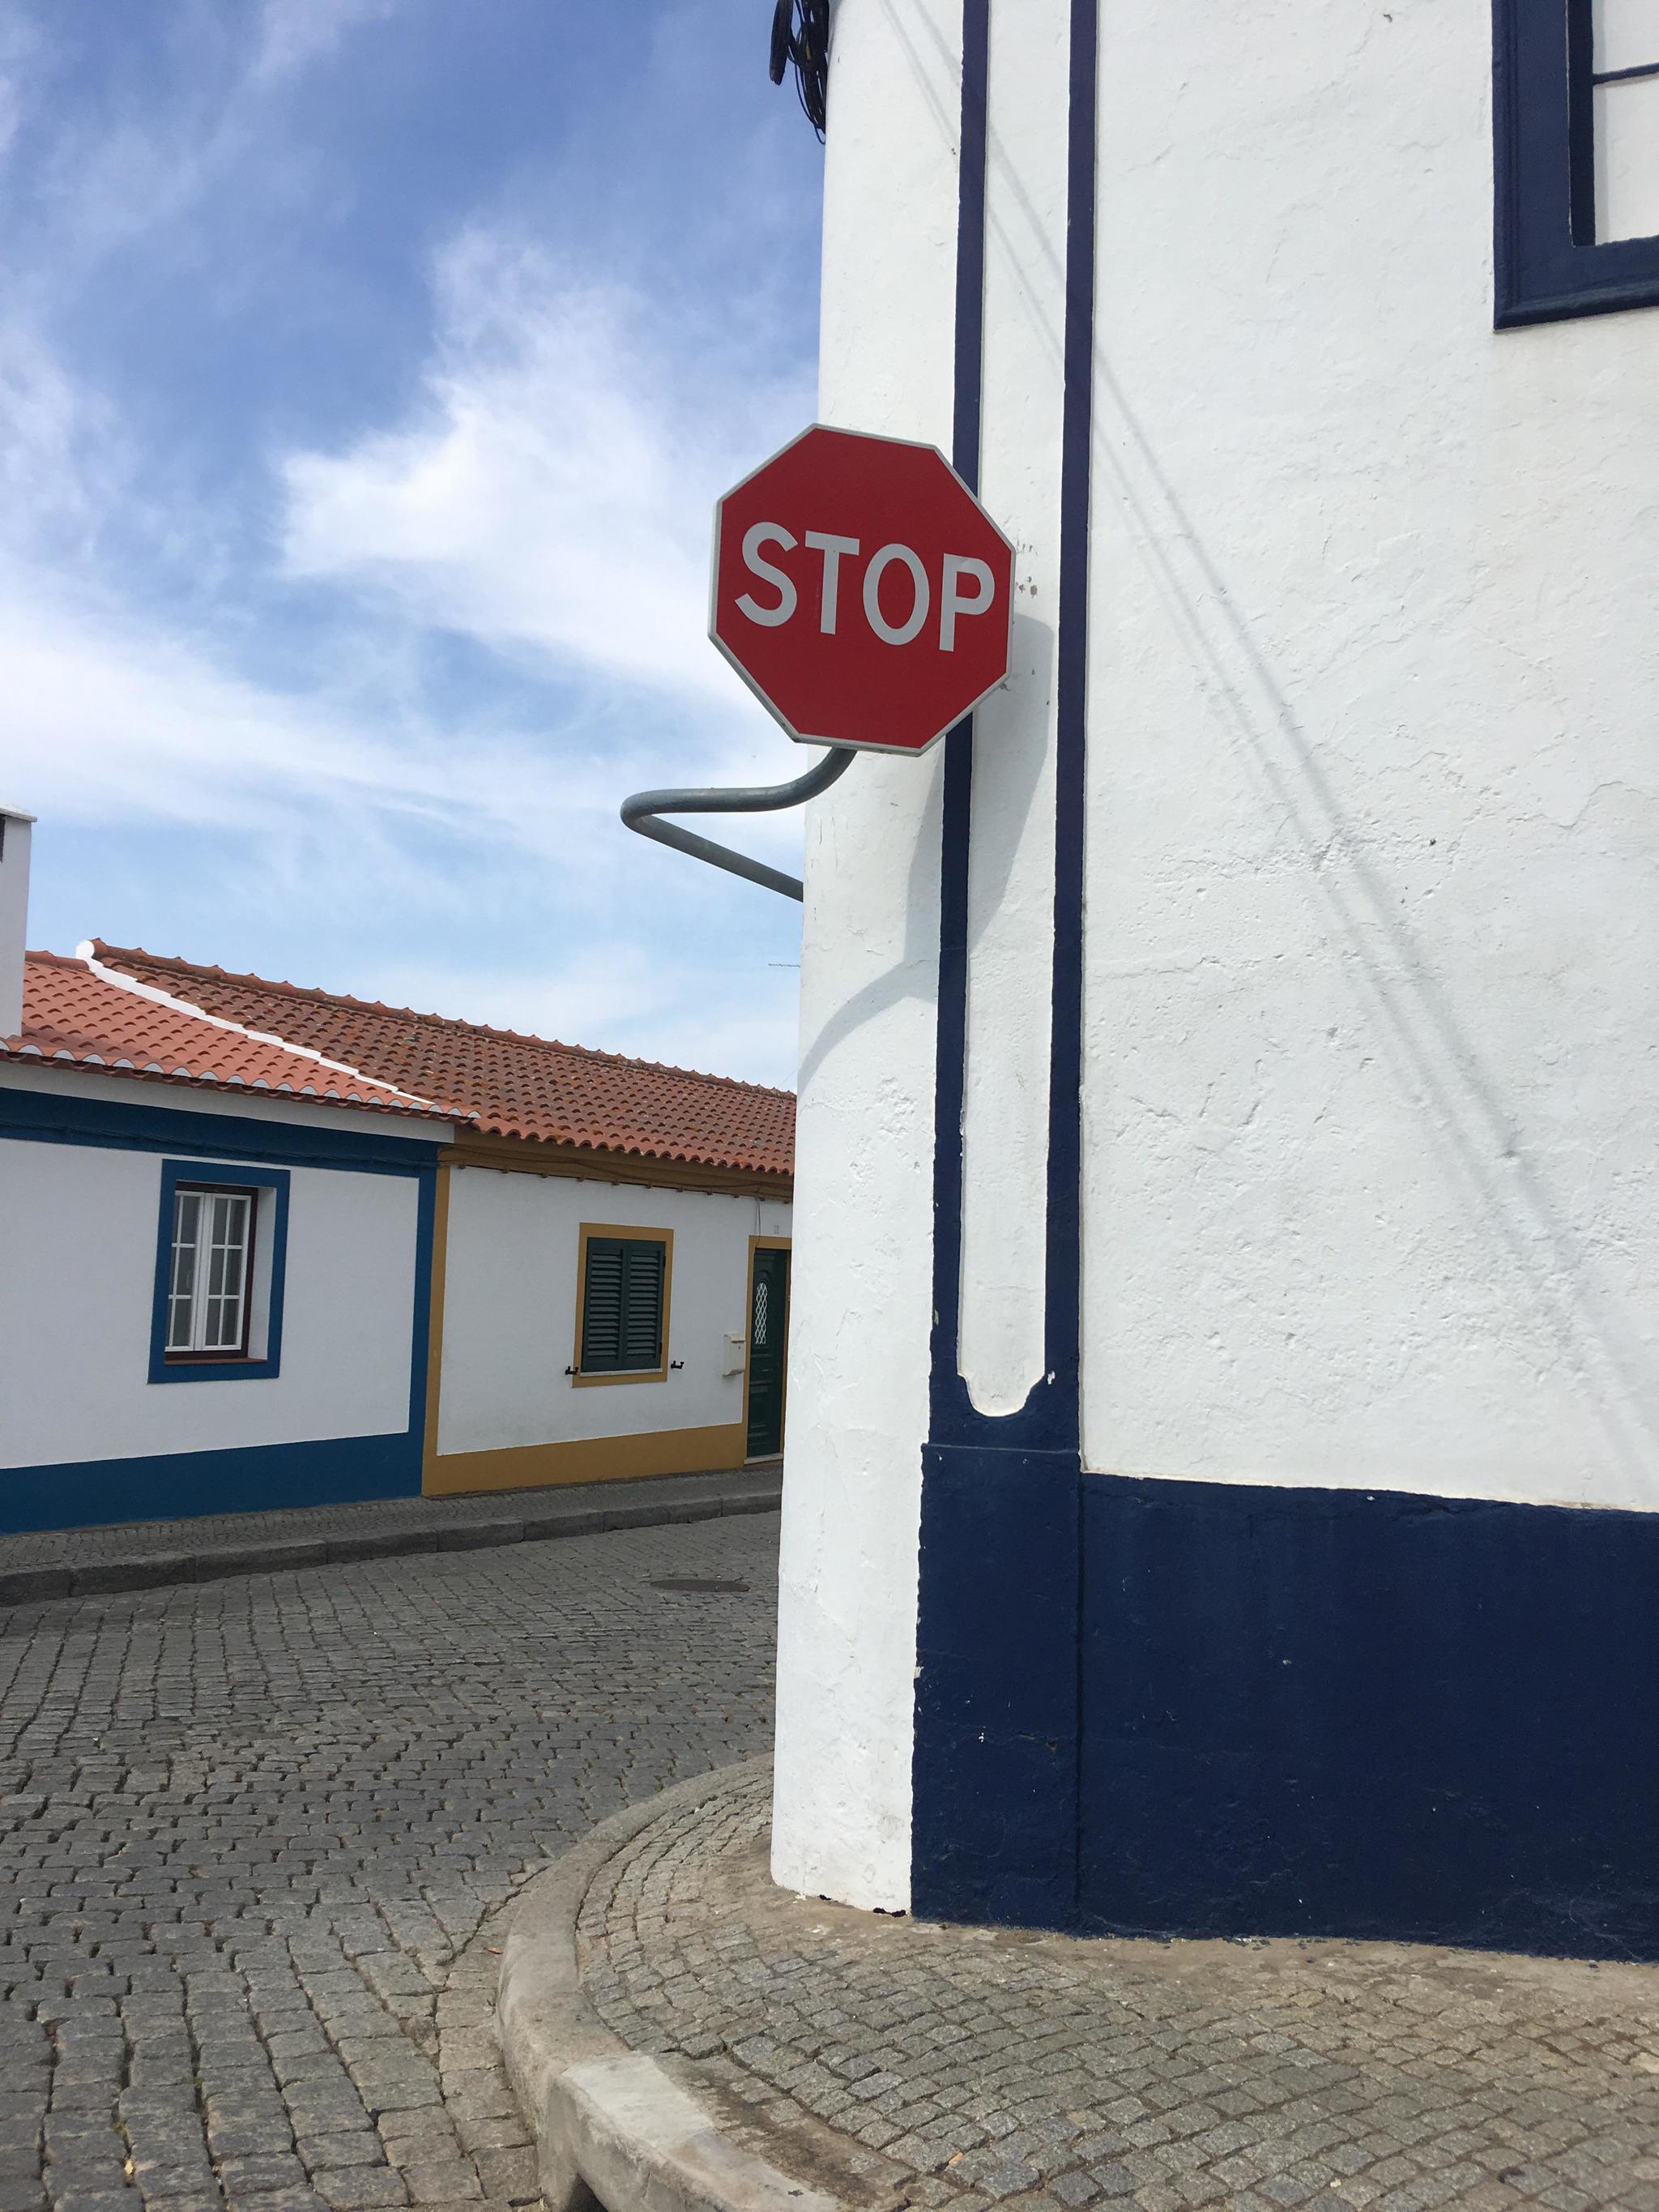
251 1215
1577 119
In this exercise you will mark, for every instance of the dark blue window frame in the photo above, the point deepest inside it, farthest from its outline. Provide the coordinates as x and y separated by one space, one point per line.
241 1175
1549 265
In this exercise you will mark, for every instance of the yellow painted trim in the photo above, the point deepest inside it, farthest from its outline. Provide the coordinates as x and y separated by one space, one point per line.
435 1350
663 1236
597 1459
580 1162
768 1244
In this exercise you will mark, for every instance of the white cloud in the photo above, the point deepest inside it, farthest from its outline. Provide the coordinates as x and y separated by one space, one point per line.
295 34
620 999
553 492
548 498
58 467
19 46
113 720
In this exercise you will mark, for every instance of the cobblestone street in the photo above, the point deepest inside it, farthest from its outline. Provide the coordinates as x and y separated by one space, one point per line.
255 1832
892 2063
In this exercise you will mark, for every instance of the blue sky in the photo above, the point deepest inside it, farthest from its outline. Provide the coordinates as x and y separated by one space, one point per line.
369 369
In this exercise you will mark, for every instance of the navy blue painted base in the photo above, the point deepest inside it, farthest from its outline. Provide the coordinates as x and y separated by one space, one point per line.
89 1493
995 1818
1368 1714
1202 1709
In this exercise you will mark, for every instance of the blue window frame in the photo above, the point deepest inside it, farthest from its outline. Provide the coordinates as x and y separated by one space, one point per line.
1566 73
221 1272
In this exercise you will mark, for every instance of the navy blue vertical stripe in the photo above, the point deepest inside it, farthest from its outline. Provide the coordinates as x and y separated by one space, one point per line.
1048 1420
971 242
950 1046
1063 1309
994 1805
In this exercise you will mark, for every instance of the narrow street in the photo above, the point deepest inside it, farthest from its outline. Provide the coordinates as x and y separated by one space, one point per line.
255 1832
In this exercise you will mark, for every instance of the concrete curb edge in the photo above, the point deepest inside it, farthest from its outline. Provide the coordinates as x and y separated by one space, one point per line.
611 2123
154 1570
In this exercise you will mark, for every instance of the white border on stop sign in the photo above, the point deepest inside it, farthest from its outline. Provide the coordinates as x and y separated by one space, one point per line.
854 744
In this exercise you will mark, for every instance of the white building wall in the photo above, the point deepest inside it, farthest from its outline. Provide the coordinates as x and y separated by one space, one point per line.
1373 970
869 991
1011 874
510 1308
77 1300
1373 900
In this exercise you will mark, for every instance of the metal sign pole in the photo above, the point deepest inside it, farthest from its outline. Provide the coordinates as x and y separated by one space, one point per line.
642 811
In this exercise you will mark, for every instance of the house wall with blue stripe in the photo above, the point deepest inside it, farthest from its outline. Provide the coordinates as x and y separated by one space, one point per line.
87 1433
1224 1493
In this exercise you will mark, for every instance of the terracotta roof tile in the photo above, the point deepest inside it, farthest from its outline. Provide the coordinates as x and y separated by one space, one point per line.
74 1017
515 1085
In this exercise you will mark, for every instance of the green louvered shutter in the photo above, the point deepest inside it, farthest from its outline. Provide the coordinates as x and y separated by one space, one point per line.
642 1280
622 1305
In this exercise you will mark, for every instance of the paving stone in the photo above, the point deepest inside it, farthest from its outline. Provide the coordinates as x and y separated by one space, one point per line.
251 1823
506 2131
510 2175
358 2146
442 2181
260 2177
349 2187
410 2136
1038 2075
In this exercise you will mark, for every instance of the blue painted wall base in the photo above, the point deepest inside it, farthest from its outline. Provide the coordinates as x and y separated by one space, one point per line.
1368 1714
994 1824
1204 1708
260 1478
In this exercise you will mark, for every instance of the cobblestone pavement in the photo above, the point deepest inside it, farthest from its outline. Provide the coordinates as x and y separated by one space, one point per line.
899 2063
253 1832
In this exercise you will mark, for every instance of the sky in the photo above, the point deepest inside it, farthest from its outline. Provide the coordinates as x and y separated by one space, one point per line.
368 370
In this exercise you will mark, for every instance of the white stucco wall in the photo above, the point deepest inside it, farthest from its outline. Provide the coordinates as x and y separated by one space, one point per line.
869 966
76 1292
1373 830
1373 976
1011 869
510 1308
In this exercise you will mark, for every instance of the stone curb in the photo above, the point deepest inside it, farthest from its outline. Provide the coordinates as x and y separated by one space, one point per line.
611 2123
152 1570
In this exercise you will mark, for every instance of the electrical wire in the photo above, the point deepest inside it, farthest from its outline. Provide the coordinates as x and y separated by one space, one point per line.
800 39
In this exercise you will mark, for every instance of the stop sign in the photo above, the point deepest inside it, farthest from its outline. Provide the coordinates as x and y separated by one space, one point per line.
861 592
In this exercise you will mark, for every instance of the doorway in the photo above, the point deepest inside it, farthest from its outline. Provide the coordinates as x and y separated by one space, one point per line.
768 1342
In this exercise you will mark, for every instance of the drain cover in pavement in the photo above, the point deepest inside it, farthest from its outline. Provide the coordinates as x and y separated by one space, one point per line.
690 1583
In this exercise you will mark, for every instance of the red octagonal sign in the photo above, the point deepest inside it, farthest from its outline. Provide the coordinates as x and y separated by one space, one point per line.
861 591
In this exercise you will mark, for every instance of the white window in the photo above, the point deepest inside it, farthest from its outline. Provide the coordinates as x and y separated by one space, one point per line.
1625 78
210 1274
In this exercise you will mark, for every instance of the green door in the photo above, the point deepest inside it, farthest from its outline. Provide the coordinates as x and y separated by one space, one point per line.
769 1336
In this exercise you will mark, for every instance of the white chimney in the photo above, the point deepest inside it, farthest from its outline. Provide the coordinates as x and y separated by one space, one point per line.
15 832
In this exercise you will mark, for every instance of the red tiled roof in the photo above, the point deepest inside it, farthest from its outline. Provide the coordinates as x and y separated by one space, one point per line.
515 1085
74 1017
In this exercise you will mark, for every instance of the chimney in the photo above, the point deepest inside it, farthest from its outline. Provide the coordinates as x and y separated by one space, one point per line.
14 830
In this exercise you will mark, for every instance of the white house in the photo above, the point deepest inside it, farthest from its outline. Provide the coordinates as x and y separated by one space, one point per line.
508 1263
1225 1496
